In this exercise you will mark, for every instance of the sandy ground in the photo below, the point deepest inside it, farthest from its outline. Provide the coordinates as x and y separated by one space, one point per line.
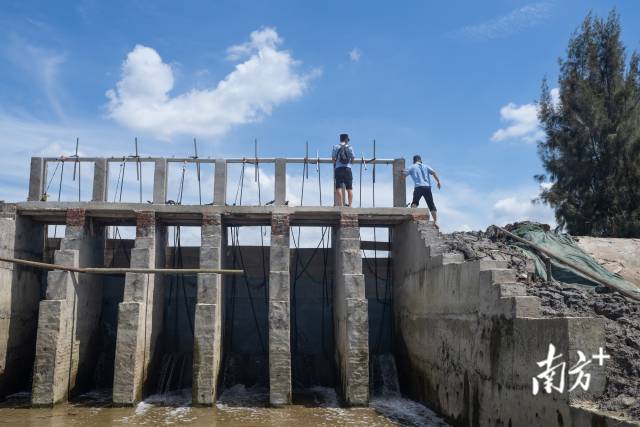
621 256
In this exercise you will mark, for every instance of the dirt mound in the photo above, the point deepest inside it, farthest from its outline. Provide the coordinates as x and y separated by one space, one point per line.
622 316
622 331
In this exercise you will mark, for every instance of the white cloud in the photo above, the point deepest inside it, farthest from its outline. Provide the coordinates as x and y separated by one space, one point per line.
503 26
522 123
355 54
267 77
522 120
519 207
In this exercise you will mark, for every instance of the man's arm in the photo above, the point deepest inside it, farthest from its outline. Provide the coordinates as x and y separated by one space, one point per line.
435 175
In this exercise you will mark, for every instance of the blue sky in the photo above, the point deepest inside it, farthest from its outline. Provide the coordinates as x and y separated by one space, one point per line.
454 81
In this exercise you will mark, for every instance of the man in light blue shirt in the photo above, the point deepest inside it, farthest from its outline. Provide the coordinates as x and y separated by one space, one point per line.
342 156
421 175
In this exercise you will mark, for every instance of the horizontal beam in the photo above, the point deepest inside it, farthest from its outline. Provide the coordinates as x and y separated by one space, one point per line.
125 213
246 160
367 245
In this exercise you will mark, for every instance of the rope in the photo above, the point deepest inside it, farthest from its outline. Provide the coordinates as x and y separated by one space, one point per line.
53 176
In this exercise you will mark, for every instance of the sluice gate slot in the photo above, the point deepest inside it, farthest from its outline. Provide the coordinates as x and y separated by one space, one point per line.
117 253
172 363
245 336
311 296
378 273
21 288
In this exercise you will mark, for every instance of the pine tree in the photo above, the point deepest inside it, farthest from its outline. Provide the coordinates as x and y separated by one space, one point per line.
591 149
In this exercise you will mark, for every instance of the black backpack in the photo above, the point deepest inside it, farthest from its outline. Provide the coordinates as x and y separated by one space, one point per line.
343 155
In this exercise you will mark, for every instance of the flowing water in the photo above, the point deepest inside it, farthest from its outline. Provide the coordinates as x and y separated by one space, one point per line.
237 406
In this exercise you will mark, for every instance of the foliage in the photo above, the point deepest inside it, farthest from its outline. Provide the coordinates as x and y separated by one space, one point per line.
591 149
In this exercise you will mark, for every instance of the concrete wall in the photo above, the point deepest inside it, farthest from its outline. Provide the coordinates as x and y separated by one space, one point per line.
66 350
350 314
207 349
468 339
20 290
140 314
279 311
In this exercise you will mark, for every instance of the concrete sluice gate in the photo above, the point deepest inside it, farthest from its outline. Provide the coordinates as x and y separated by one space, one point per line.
465 337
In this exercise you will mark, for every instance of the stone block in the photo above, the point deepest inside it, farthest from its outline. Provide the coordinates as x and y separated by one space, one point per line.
354 287
279 378
58 283
206 354
142 257
135 287
279 258
50 371
279 286
209 288
357 324
127 387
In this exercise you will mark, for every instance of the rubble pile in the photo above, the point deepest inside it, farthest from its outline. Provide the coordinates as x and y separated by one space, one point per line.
621 315
485 245
622 331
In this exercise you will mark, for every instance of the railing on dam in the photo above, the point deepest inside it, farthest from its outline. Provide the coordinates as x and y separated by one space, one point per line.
100 187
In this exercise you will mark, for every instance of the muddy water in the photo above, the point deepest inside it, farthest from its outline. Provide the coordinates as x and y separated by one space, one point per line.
238 406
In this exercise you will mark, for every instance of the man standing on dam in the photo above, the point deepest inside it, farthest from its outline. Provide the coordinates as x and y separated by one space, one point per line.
421 175
342 157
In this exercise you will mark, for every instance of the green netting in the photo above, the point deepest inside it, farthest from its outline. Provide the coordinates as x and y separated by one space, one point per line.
564 246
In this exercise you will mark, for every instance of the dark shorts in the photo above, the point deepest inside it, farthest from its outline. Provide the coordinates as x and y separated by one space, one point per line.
343 176
420 192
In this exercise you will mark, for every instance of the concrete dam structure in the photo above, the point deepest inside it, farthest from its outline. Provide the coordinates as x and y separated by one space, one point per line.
465 336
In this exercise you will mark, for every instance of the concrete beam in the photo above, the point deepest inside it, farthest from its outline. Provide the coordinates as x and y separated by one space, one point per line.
37 178
100 180
399 184
207 342
69 315
279 318
125 213
220 183
140 313
280 182
160 175
351 320
19 299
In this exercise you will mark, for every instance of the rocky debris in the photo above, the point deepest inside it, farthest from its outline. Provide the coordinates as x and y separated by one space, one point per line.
622 315
484 245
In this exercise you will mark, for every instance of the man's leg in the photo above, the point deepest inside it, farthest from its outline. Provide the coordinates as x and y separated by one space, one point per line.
432 206
339 196
350 196
416 197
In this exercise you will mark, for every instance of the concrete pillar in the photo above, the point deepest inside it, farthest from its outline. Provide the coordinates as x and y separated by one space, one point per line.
207 340
281 182
140 313
160 174
351 322
100 180
37 179
220 183
279 319
399 184
69 315
20 295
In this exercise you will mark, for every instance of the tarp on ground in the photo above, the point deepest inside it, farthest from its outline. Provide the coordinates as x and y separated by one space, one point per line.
566 247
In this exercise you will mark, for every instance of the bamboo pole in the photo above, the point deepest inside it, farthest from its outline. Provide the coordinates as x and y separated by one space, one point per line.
101 270
579 269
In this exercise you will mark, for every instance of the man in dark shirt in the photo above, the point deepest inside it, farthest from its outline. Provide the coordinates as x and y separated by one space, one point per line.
343 156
